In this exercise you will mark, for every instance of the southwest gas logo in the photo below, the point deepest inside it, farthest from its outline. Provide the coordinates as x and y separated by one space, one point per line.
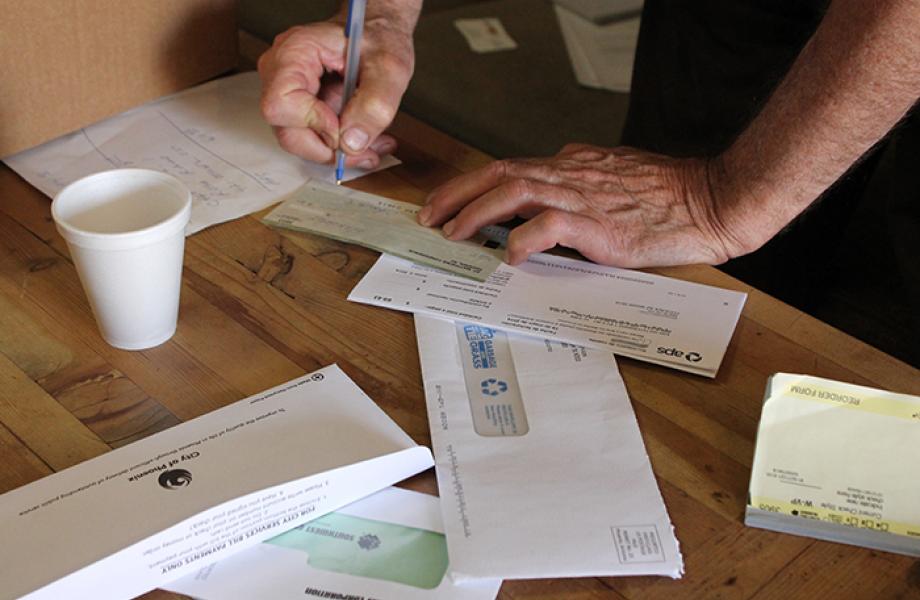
688 356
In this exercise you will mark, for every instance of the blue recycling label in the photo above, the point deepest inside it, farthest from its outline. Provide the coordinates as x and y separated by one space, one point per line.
482 346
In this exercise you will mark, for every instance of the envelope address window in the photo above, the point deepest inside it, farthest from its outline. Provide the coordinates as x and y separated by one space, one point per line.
491 382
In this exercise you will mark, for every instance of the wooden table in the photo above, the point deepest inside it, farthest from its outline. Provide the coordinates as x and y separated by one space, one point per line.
260 307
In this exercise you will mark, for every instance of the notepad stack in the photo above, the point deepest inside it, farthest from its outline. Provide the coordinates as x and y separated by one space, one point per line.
838 462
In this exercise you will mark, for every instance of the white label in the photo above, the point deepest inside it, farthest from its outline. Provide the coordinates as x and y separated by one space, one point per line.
485 35
638 544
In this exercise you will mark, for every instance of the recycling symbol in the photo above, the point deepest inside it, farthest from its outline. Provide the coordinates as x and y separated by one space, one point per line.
493 387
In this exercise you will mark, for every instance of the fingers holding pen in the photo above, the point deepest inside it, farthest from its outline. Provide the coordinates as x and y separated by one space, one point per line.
306 143
387 63
292 71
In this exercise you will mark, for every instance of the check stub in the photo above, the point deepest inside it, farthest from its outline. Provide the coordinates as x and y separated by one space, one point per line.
384 225
682 325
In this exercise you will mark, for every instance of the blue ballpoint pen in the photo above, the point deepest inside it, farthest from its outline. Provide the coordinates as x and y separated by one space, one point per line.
354 26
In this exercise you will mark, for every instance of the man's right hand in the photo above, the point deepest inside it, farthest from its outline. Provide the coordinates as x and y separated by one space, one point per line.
302 85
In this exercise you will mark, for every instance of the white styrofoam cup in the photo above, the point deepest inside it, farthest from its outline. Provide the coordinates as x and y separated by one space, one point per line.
126 233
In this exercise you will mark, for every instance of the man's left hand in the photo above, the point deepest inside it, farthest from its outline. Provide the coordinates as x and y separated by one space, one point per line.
617 206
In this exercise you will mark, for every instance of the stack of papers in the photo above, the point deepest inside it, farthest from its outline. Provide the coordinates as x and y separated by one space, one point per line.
838 462
138 517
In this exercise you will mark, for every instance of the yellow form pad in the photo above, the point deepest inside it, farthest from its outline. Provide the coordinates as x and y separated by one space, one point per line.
839 462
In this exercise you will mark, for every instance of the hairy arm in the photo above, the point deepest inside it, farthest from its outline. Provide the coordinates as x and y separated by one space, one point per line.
852 82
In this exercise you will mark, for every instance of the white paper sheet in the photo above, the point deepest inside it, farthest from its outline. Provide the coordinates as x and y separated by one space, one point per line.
485 35
130 520
603 12
666 321
574 494
211 137
371 556
601 55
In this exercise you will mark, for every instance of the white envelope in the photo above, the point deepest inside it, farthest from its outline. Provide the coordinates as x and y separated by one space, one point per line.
380 547
130 520
553 482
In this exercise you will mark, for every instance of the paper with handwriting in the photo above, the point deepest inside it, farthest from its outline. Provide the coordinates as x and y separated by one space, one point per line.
211 137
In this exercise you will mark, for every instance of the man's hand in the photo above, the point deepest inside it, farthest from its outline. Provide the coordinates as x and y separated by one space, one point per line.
302 85
857 76
617 206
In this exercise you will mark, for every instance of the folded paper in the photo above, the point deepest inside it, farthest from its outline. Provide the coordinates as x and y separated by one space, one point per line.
130 520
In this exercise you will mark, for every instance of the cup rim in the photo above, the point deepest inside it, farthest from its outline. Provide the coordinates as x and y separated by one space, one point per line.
182 214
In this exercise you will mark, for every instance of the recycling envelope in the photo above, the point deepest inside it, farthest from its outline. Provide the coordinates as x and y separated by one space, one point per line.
541 468
130 520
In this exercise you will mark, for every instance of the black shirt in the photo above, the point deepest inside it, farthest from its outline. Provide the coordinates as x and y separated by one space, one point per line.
703 69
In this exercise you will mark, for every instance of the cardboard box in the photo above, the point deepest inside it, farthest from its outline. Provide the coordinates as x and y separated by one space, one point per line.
64 65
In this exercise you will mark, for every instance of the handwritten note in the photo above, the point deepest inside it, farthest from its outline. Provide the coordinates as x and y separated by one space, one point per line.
211 137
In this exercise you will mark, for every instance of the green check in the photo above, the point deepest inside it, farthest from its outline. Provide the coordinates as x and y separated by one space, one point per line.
384 225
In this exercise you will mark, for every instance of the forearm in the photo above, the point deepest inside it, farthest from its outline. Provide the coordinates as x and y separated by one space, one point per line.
854 80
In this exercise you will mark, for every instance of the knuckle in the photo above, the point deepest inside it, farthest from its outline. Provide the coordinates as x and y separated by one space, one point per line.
284 35
262 64
288 56
393 64
519 188
271 108
571 147
287 138
587 154
555 220
515 241
498 169
379 111
520 244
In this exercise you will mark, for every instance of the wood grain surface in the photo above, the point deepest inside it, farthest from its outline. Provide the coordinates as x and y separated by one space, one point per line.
261 306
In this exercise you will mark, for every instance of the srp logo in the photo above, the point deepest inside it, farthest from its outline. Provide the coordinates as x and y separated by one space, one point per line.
688 356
